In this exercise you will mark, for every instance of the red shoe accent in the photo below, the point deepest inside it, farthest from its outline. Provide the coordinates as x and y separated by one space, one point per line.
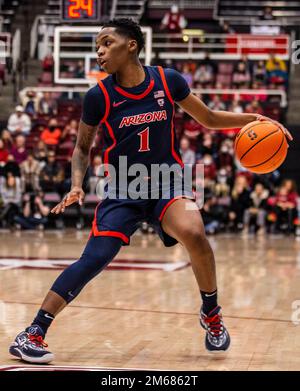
214 323
37 340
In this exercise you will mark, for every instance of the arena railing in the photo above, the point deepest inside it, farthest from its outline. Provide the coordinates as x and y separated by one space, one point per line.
203 91
286 17
192 44
44 47
16 48
184 4
70 44
5 49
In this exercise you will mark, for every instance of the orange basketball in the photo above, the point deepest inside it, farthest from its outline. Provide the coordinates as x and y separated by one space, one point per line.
261 146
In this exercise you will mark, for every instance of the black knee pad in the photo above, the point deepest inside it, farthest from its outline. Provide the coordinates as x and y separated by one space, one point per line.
98 253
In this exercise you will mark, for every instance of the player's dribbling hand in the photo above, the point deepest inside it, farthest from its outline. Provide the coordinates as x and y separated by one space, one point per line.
75 195
285 131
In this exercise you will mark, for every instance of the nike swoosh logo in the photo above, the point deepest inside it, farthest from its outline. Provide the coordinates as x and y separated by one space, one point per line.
116 104
48 316
70 294
212 294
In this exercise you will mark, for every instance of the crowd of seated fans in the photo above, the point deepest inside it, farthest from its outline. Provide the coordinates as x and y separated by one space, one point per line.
33 176
37 144
271 73
235 199
261 76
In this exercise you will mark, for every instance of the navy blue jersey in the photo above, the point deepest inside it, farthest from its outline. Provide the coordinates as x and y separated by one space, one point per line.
138 122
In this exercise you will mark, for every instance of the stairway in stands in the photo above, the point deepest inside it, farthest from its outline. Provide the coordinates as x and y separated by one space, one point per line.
293 115
23 20
129 9
237 9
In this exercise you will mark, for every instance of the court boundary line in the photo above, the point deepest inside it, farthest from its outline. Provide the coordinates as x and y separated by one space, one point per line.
38 263
61 368
153 311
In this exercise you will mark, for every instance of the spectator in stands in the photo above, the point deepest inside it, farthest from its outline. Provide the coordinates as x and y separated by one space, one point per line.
254 107
246 175
188 155
11 167
52 175
210 170
236 106
79 72
222 187
225 28
285 206
173 21
212 215
7 139
48 105
247 64
208 146
11 194
267 14
69 135
204 75
192 131
277 76
271 181
31 103
19 151
30 170
225 155
41 153
187 74
216 103
35 212
241 77
3 153
259 72
94 66
239 203
274 62
209 63
52 134
30 100
255 215
48 63
19 122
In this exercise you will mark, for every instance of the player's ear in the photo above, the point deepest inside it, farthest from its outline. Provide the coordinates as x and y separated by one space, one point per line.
132 45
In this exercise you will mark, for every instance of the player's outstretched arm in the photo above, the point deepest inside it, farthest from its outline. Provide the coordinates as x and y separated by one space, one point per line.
220 119
80 161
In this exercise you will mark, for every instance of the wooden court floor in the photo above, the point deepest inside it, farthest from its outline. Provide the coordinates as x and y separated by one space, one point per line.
142 311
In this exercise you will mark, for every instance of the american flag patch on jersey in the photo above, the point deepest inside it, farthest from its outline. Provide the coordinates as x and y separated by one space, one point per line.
159 94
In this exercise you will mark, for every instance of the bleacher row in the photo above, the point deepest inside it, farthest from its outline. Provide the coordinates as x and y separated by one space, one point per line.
255 9
201 145
9 9
214 150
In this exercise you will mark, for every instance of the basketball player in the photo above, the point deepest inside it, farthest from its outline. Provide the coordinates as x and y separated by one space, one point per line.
120 102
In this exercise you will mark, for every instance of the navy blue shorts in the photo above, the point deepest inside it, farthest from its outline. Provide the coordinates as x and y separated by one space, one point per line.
121 217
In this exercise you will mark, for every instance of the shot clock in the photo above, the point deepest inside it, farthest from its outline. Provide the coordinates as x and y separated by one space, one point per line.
80 10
